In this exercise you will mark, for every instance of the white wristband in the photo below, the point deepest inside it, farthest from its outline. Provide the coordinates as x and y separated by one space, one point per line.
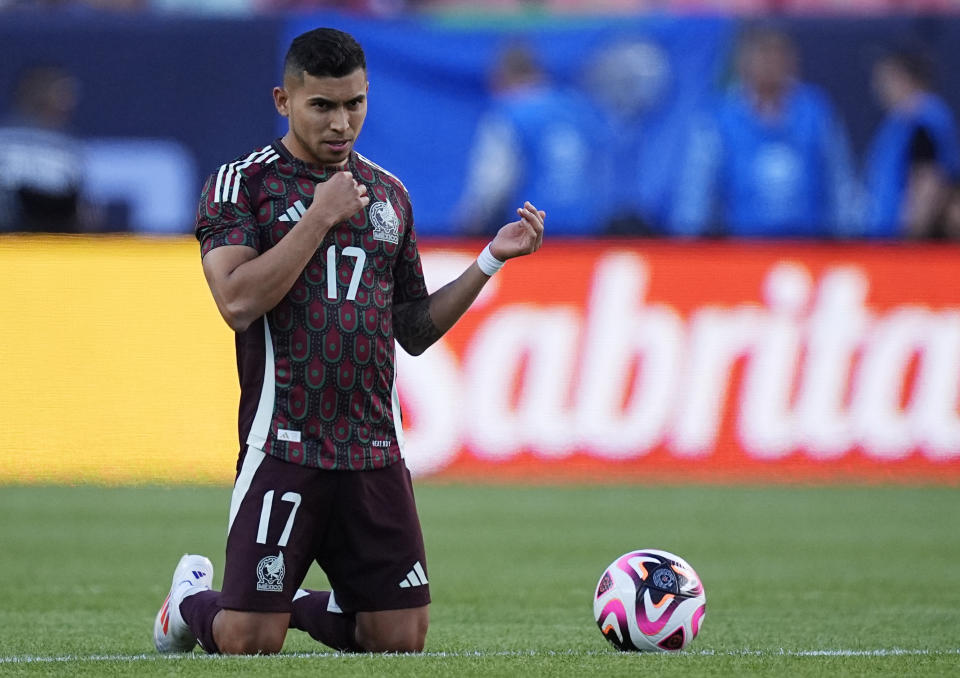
488 263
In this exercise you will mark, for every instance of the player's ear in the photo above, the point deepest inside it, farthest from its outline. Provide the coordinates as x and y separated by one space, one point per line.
281 99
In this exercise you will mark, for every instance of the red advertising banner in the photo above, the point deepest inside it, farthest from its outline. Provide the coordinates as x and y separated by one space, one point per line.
618 361
708 362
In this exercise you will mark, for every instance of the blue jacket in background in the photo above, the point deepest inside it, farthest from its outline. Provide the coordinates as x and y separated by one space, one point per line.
759 177
543 145
888 160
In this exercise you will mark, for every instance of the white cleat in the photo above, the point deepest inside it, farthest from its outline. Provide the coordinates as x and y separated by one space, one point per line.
170 632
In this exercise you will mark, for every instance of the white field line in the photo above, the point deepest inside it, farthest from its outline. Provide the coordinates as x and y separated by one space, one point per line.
197 656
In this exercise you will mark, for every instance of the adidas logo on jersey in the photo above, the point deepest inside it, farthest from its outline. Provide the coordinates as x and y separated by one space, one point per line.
415 577
294 213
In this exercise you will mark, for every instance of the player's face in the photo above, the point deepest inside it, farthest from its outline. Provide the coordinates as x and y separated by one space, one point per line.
325 115
768 65
890 85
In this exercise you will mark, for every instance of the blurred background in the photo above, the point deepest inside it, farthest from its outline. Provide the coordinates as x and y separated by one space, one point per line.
751 207
818 118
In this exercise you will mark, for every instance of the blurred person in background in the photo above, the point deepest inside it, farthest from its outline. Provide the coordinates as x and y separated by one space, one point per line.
914 158
643 133
535 140
774 161
41 163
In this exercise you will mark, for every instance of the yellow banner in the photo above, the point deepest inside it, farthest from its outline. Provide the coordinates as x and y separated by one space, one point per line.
114 363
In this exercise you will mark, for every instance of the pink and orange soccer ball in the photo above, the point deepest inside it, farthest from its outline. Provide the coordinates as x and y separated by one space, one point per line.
650 601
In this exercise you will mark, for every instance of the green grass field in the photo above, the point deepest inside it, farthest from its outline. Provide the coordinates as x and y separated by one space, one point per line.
799 581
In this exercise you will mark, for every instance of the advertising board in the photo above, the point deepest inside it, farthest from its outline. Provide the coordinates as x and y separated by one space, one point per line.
614 361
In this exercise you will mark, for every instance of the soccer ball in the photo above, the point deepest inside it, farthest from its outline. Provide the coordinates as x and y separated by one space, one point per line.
649 600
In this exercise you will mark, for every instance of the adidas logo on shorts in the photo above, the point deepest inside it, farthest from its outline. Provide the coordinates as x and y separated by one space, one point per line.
415 577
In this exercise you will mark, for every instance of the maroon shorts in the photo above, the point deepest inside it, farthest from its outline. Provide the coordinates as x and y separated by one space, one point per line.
361 527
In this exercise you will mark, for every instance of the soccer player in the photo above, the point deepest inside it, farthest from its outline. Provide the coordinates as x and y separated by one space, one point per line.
310 251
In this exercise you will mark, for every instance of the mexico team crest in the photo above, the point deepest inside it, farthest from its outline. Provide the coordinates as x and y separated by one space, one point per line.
386 224
270 571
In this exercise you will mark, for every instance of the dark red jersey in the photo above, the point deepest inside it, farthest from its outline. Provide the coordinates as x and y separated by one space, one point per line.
318 372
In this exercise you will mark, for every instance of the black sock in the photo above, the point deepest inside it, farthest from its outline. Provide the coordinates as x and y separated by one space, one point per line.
198 611
333 629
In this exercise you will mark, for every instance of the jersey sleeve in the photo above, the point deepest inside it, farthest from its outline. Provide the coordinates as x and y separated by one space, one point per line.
409 283
225 221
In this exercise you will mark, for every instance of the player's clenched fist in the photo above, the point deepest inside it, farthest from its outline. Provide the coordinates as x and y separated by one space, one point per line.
338 198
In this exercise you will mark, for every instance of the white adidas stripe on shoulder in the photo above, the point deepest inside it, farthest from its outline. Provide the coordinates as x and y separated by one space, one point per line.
385 171
227 188
231 182
225 174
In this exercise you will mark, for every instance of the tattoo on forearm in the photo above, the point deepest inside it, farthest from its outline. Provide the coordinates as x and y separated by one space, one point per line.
413 326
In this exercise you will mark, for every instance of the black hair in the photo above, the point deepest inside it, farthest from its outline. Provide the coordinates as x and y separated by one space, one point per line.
324 52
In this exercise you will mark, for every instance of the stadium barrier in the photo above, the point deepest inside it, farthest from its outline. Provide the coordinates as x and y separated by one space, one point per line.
609 361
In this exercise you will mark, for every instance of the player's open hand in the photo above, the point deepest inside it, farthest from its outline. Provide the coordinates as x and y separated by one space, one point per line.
520 237
338 198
